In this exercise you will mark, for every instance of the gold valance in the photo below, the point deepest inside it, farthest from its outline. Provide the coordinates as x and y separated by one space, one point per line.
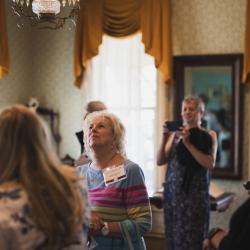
4 50
121 18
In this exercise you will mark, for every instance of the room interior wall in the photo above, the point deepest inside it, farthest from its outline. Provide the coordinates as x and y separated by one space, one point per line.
42 67
15 86
208 27
53 83
214 27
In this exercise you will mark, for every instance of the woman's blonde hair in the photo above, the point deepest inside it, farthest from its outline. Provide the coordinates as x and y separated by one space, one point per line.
95 106
117 127
26 155
197 101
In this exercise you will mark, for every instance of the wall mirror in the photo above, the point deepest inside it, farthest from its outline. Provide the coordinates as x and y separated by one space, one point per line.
217 80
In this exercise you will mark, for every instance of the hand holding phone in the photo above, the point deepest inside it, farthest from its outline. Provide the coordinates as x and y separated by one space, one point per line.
173 125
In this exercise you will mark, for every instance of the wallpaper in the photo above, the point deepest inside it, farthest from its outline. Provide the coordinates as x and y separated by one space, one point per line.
208 27
52 83
41 67
15 86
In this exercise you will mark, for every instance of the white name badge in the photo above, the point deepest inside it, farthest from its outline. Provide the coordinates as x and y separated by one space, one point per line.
114 174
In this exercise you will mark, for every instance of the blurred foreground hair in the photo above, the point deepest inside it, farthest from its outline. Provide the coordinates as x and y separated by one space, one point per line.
26 155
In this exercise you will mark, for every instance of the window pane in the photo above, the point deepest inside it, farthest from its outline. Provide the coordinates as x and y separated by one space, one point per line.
148 85
124 78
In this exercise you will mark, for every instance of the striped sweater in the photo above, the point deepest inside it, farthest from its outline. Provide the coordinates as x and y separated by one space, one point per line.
125 201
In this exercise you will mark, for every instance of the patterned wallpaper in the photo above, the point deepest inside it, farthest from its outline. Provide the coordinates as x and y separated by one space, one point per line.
208 27
52 83
15 86
41 67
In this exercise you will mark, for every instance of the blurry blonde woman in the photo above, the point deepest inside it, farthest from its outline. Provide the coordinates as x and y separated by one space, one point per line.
41 205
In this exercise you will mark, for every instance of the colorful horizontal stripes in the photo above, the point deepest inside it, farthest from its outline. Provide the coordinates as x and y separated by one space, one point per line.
115 204
125 201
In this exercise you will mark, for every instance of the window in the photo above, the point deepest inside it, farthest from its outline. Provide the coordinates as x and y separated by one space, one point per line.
124 77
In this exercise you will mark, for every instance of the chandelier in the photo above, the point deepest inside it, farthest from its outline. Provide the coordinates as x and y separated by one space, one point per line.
46 14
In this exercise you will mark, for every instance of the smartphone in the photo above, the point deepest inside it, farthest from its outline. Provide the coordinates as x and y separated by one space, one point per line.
173 125
247 185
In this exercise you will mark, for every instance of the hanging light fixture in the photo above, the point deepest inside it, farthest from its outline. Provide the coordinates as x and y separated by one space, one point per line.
50 14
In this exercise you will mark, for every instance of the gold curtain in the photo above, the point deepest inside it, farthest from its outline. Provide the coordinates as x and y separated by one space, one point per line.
4 50
156 34
246 66
121 18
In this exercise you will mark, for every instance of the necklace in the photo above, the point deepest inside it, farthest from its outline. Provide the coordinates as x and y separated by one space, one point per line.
105 164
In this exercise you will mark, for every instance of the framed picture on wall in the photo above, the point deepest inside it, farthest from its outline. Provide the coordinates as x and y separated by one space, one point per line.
216 79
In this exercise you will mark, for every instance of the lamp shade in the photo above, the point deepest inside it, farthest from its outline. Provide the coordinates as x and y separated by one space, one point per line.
46 6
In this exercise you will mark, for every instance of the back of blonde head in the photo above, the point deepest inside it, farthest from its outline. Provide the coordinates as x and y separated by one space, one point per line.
26 155
24 141
95 106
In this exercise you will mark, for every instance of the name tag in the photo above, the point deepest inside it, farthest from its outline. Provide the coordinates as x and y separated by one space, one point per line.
114 174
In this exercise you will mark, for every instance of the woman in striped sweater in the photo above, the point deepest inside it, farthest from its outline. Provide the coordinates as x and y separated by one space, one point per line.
121 212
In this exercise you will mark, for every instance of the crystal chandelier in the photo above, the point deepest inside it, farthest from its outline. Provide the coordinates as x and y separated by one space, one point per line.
50 14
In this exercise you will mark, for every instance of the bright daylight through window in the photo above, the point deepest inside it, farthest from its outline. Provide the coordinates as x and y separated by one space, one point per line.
123 76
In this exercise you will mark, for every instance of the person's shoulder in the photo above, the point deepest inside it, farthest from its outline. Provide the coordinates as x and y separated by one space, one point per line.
198 133
83 159
82 169
131 166
212 133
206 132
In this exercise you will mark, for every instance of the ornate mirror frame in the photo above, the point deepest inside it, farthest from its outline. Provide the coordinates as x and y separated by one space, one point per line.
186 70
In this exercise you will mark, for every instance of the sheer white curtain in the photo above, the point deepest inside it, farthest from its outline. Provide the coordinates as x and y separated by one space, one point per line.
124 78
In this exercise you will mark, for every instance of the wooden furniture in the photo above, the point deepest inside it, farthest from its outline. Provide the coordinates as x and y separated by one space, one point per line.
222 202
52 118
155 241
219 204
